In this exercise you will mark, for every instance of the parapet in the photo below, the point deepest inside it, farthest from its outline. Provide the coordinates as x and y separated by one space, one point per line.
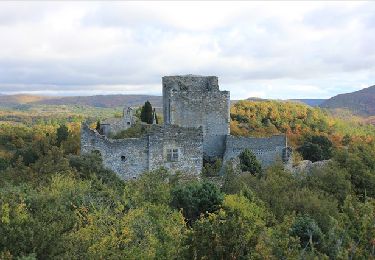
190 83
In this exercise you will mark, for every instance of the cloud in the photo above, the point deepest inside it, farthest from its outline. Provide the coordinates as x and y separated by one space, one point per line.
277 50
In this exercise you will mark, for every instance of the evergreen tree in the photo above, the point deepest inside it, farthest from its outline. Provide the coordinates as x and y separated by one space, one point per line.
97 126
62 134
249 163
146 113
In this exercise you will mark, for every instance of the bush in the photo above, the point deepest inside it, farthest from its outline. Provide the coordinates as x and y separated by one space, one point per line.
211 169
196 198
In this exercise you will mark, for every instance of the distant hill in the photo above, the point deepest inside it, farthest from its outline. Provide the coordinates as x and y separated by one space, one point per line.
361 102
310 102
20 99
106 101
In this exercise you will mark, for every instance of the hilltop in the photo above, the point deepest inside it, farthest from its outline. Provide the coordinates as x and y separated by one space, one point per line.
361 102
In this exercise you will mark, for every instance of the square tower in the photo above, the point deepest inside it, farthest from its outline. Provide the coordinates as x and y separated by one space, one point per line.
194 101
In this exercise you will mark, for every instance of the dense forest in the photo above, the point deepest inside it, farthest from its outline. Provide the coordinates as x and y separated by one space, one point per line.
56 203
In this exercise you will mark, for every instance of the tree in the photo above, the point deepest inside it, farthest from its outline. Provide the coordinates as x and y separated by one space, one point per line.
62 134
249 163
230 233
196 198
316 148
308 231
97 127
146 113
310 151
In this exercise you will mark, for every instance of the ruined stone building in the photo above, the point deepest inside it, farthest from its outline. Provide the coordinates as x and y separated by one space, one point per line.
196 127
115 125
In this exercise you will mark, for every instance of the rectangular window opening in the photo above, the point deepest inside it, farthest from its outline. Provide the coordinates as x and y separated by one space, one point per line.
172 155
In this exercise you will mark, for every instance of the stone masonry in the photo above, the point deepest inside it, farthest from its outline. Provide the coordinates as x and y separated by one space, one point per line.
130 157
196 127
196 101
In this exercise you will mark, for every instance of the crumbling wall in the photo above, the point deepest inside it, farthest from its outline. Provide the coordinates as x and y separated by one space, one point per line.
127 157
267 150
131 157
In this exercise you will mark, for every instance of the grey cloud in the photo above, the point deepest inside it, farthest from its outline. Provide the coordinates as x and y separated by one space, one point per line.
252 46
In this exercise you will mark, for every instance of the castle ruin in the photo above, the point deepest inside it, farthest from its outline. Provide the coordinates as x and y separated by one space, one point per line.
196 127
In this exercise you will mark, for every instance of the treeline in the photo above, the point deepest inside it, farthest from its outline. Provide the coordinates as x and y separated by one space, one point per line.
296 120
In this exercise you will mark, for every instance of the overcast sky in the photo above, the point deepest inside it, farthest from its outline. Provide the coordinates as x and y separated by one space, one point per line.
268 50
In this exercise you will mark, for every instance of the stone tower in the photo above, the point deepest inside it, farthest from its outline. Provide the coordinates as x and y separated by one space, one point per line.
194 101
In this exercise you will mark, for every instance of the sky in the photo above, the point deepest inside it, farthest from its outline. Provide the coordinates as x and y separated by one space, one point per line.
276 50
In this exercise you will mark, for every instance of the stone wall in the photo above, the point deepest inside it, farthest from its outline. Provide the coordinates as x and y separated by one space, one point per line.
188 141
127 157
196 101
132 156
267 150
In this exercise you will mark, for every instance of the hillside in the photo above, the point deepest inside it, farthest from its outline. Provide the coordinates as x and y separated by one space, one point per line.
105 101
21 99
360 102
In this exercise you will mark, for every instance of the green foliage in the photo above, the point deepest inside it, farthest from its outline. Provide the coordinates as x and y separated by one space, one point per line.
28 156
152 187
332 180
146 113
316 148
56 204
4 163
308 231
249 163
196 198
132 132
359 162
230 233
211 169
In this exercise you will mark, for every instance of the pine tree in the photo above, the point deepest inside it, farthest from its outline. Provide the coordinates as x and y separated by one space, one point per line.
146 113
62 134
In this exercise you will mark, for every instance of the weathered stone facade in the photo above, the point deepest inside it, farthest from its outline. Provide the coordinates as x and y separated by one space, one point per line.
196 126
268 150
196 101
132 156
